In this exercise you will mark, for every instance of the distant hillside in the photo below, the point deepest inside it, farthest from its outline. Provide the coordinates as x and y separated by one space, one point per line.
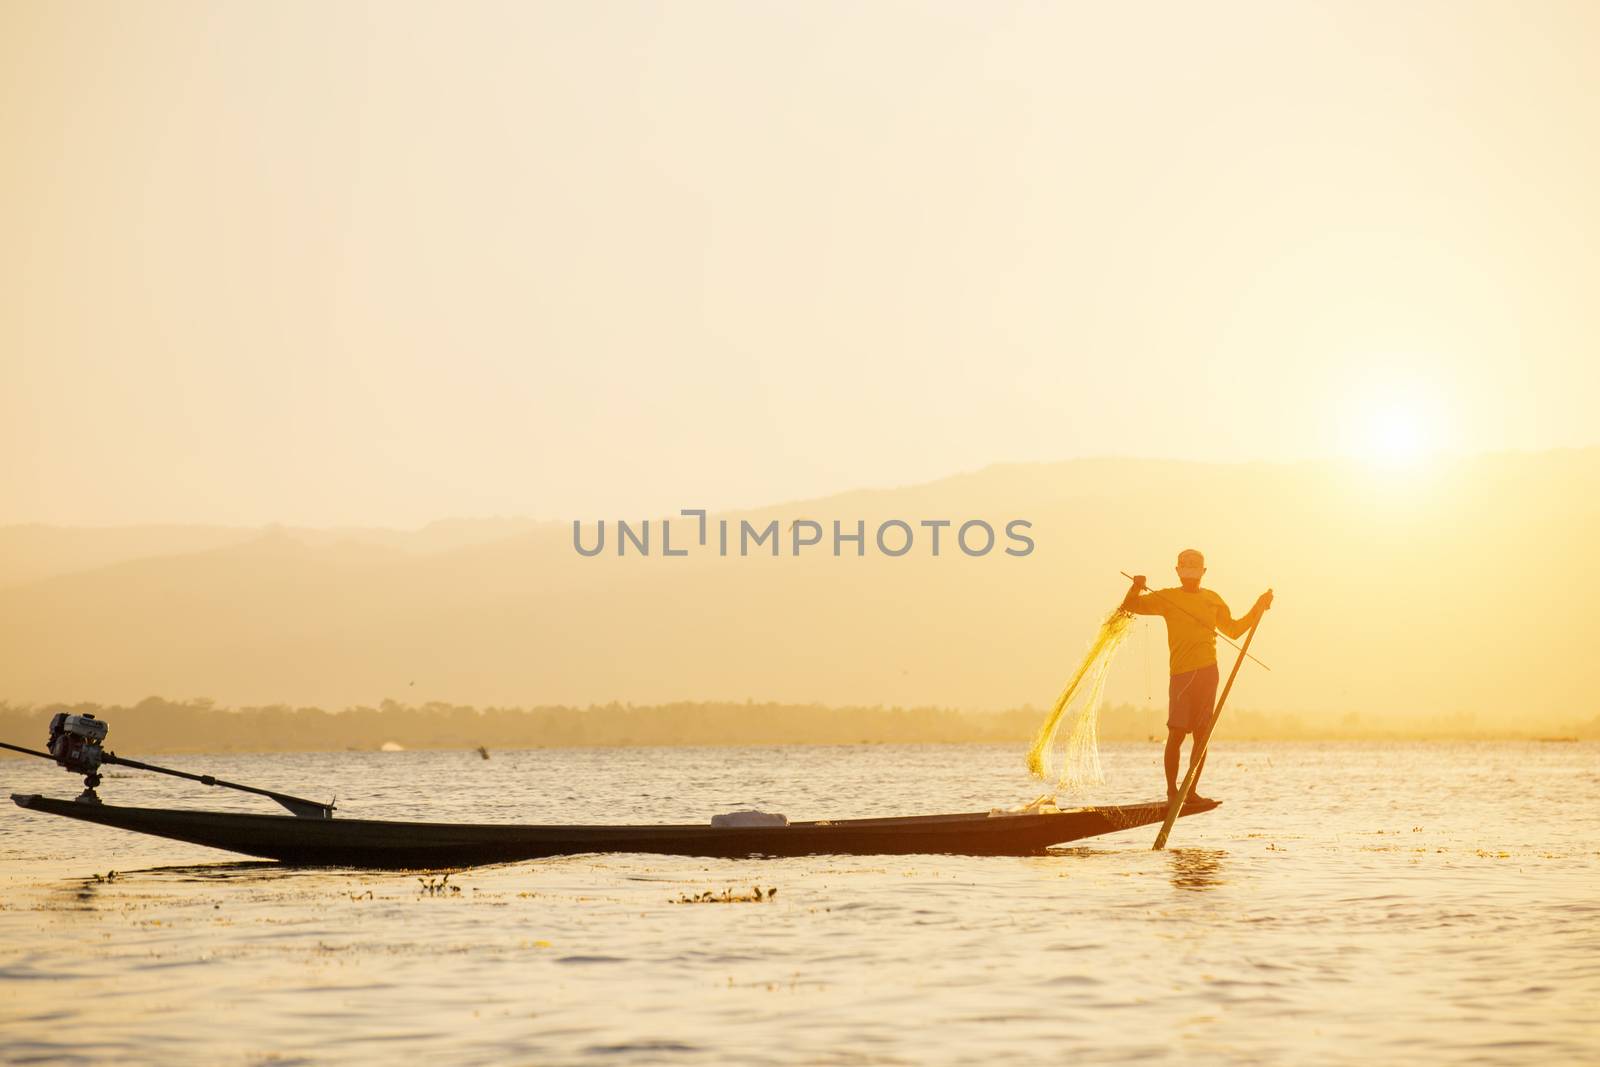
1402 596
31 552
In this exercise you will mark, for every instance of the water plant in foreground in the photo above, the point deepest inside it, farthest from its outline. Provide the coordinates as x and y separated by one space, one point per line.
756 895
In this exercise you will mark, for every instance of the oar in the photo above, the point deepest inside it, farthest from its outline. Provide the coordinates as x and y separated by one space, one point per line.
305 809
1197 758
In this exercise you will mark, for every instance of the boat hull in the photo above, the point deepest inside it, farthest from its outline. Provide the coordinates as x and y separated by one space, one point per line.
383 844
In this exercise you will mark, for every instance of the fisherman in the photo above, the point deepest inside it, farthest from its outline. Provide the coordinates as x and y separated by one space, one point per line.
1194 615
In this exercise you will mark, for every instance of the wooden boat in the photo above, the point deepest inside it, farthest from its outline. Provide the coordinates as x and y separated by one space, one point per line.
337 842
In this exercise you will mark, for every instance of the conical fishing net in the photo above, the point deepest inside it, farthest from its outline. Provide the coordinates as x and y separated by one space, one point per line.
1068 746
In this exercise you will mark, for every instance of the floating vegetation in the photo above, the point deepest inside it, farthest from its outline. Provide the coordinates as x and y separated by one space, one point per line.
756 895
437 887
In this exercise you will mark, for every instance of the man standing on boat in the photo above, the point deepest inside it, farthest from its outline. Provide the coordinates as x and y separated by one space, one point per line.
1194 615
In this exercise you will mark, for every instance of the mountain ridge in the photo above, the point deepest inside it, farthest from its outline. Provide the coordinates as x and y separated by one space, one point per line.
1402 593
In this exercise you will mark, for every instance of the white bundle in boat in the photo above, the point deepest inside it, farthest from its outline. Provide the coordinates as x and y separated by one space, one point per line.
1045 805
750 818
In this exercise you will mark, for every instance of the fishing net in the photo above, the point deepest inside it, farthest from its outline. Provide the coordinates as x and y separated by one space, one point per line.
1068 746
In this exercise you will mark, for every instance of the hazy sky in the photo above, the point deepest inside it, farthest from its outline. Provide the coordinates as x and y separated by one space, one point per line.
334 263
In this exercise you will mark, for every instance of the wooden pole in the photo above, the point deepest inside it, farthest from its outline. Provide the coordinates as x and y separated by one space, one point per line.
1197 758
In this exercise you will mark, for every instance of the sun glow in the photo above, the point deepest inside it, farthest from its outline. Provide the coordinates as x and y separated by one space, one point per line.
1397 424
1396 438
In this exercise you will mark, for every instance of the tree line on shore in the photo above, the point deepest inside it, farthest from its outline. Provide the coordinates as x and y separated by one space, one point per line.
159 725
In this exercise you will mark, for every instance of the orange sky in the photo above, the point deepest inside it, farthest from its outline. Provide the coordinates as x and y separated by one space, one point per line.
379 264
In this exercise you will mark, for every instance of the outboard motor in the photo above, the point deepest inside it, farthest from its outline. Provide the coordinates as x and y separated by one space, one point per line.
75 743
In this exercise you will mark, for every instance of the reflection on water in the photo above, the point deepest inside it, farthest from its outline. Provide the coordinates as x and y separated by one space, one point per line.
1408 914
83 891
204 872
1196 868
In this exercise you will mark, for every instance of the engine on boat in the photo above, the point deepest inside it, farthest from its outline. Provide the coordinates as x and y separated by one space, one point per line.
75 742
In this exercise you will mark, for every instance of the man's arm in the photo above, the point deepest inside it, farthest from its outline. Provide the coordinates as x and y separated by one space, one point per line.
1140 605
1235 628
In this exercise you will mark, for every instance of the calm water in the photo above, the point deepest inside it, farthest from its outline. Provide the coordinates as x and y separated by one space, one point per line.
1348 904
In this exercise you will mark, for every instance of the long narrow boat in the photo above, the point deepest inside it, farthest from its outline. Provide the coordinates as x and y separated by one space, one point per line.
371 843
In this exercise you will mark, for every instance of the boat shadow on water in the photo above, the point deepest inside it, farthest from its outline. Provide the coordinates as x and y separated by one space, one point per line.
245 871
83 891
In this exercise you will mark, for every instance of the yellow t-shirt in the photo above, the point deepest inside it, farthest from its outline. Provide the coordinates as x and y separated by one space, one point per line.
1192 622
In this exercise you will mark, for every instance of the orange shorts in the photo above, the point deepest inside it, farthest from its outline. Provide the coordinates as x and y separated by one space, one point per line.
1191 698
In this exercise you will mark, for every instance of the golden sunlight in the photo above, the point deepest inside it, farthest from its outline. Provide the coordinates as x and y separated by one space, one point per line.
1395 424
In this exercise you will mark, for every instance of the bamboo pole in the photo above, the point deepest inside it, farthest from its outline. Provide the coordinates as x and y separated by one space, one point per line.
1197 758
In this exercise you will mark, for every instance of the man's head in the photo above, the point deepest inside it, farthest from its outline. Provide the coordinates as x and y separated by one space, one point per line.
1191 566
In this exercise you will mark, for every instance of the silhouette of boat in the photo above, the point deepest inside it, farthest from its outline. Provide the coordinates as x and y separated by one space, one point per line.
339 842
